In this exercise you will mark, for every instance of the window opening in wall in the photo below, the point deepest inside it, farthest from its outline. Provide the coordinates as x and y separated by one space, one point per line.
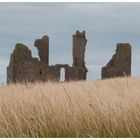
62 75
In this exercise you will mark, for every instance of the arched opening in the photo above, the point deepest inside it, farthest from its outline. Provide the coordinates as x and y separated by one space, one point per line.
62 75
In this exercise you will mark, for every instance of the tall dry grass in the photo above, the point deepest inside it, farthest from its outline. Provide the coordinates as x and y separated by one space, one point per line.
104 108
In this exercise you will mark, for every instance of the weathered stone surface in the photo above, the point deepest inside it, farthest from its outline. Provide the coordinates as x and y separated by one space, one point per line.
71 73
20 55
23 67
120 64
43 48
79 44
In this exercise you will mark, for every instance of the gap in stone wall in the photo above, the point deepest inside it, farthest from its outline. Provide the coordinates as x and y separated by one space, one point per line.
62 75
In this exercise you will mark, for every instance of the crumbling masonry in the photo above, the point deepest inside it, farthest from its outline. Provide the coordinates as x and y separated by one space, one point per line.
23 67
120 64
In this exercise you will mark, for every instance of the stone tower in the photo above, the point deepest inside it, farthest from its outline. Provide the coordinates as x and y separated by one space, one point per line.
79 44
43 48
120 64
19 57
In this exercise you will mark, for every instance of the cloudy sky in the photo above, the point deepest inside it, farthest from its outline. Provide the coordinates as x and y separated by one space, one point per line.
105 24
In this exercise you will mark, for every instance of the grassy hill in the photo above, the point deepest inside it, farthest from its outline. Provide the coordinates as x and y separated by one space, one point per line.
103 108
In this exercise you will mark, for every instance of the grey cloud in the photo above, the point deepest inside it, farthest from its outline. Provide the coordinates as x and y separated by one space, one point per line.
105 25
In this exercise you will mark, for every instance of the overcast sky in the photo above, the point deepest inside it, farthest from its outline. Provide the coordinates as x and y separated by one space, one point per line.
105 24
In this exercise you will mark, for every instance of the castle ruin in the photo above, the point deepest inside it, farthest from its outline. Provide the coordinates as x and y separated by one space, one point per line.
120 64
24 68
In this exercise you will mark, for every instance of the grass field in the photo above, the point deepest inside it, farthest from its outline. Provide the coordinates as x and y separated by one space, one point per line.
103 108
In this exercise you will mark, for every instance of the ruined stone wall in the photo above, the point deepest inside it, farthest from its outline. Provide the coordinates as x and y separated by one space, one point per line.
54 72
120 64
34 70
79 44
43 48
20 55
71 74
23 67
